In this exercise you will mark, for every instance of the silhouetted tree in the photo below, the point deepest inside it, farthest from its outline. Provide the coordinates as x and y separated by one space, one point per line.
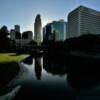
88 42
4 32
4 40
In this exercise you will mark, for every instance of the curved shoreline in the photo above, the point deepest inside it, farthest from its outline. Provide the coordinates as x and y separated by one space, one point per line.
11 84
21 70
10 95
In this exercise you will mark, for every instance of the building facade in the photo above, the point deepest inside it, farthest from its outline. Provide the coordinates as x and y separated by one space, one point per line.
17 28
38 29
26 38
12 34
57 28
23 39
82 21
47 32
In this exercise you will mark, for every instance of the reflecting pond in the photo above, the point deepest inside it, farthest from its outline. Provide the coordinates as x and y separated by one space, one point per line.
49 77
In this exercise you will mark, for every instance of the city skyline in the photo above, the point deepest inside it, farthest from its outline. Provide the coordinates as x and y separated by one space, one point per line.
23 12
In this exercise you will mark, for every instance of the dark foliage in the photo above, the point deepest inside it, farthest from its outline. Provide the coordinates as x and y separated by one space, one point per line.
85 43
4 40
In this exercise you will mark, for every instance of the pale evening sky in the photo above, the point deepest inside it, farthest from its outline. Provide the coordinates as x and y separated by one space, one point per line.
23 12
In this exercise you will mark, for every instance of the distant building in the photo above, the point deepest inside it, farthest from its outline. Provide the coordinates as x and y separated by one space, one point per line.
12 34
83 20
21 39
67 35
27 37
17 28
56 36
60 28
48 32
44 31
38 29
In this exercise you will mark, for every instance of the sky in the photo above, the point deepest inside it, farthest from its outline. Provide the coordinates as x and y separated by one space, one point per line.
23 12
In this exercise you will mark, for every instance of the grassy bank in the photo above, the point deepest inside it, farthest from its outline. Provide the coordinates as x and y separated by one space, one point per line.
11 57
9 68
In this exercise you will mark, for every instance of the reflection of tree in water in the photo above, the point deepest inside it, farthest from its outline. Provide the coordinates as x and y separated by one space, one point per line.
54 65
38 68
83 72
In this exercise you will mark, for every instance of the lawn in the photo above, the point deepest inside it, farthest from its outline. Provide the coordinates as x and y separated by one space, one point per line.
11 57
9 68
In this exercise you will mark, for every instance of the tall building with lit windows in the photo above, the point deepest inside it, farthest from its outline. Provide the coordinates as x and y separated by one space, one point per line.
83 20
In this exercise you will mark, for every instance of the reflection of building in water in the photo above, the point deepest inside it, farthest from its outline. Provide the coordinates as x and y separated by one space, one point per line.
54 65
38 68
28 60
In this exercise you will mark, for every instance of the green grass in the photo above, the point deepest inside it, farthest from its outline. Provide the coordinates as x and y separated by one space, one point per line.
11 57
9 68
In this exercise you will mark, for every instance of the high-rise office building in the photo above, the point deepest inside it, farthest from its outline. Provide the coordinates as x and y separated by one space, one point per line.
21 39
38 29
12 34
57 27
82 21
27 37
47 32
17 28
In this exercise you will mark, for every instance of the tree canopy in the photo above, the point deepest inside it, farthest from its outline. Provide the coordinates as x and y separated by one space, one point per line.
4 40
